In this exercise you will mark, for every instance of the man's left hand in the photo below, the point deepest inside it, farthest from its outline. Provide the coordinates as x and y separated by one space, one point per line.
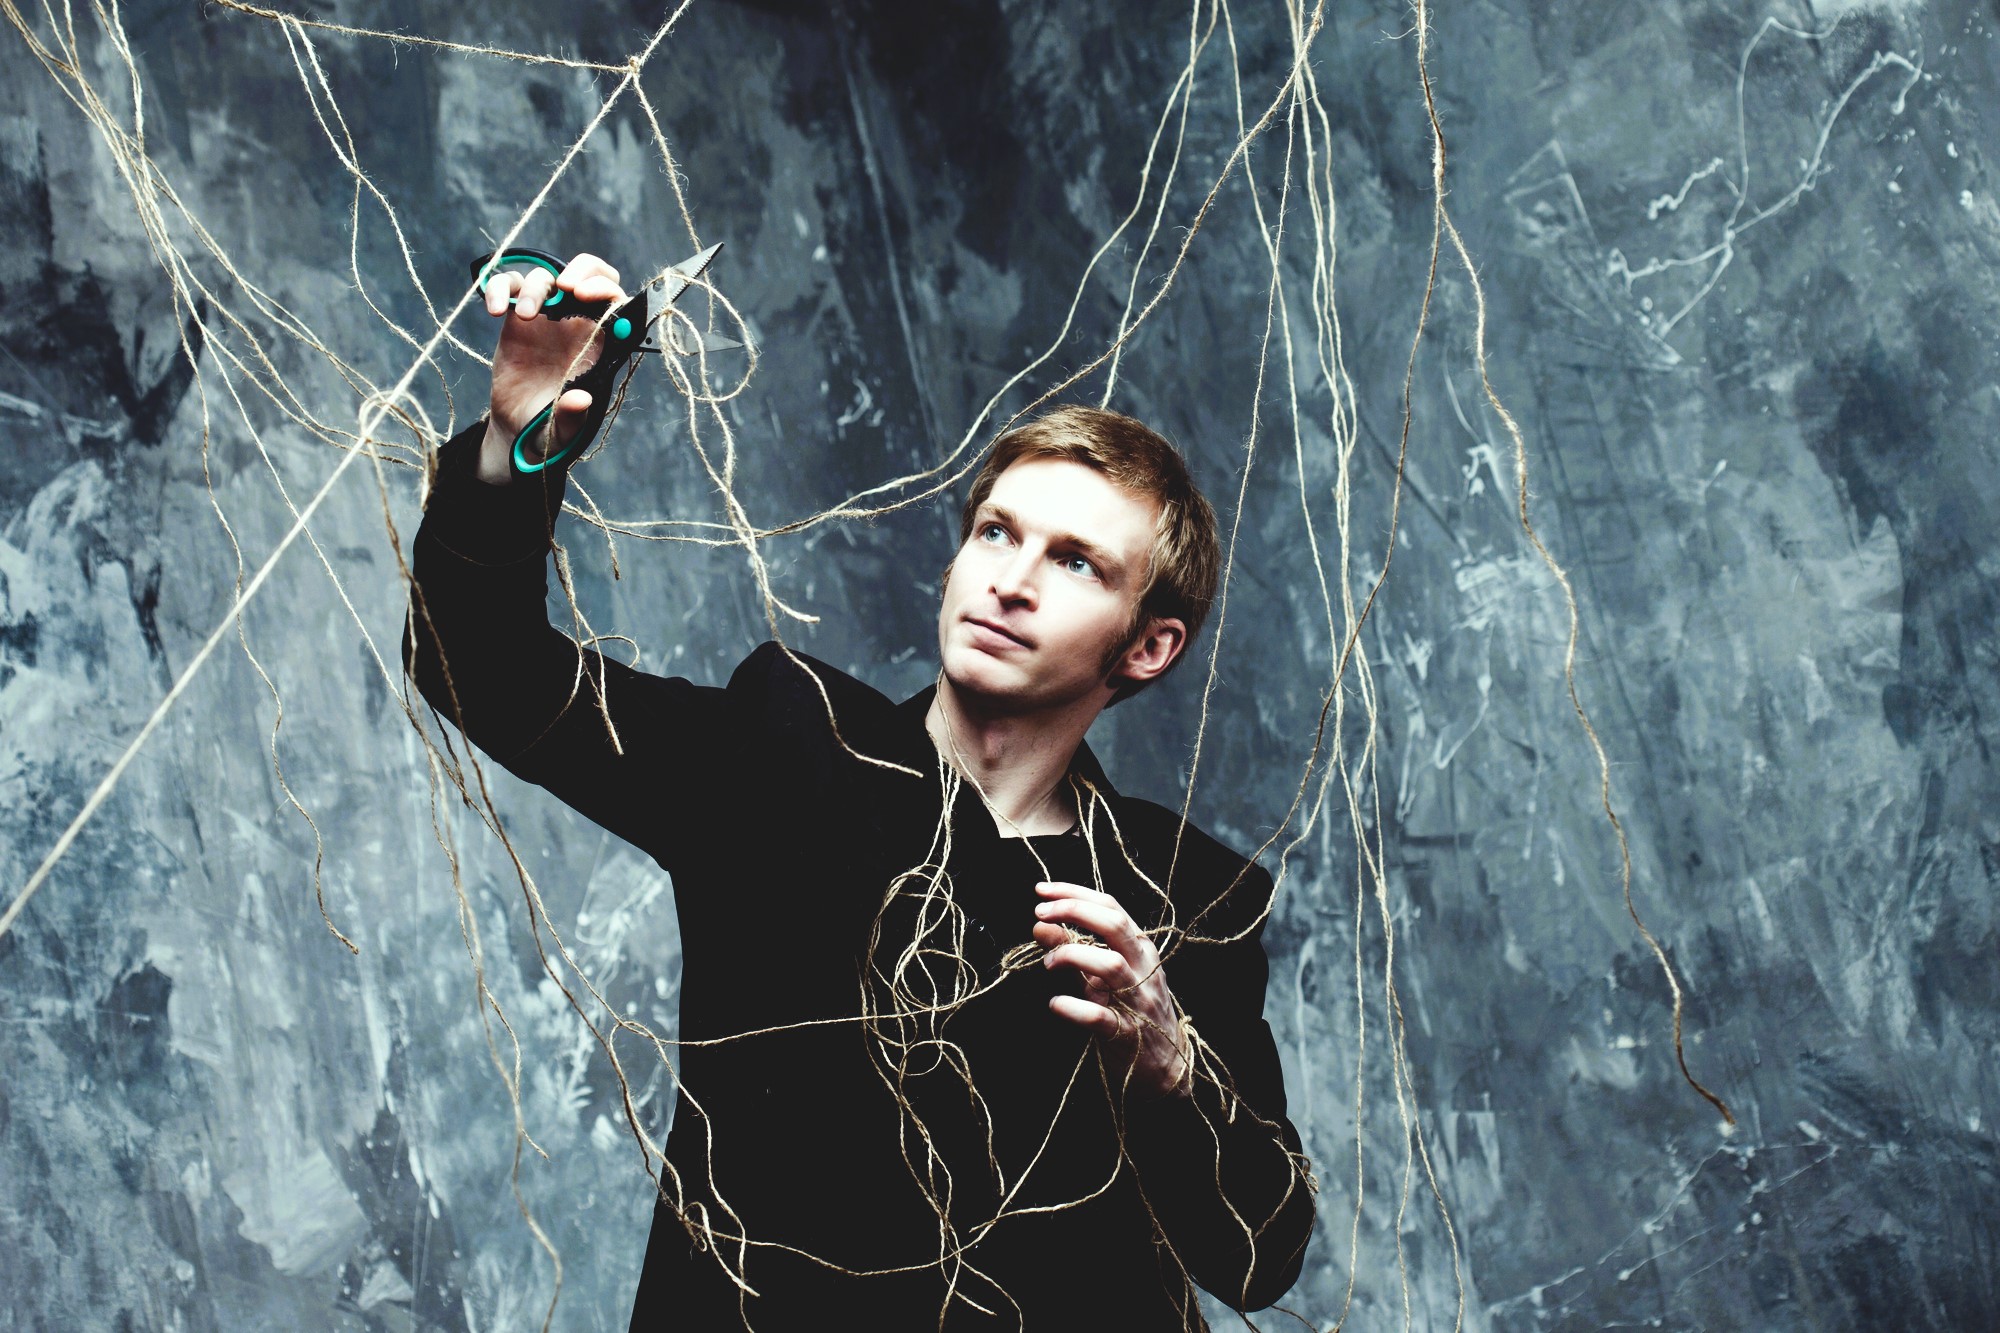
1125 1001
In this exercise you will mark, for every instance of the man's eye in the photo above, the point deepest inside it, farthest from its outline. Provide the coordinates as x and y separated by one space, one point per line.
993 532
1076 564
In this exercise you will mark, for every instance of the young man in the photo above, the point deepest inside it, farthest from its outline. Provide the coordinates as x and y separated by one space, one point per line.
970 1040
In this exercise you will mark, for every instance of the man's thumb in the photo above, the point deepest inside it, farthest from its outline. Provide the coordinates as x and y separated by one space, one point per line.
571 410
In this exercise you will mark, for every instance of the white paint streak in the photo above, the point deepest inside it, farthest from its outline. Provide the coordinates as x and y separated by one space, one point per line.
298 1209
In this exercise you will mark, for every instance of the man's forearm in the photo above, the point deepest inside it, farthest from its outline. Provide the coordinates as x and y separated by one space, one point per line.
1222 1167
479 645
1231 1192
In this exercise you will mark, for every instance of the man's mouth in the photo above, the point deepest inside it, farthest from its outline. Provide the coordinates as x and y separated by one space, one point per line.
999 629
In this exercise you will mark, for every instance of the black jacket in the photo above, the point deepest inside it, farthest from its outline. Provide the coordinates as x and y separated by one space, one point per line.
792 855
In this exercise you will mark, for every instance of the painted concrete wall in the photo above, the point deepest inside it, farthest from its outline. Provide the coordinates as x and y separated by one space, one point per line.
1742 297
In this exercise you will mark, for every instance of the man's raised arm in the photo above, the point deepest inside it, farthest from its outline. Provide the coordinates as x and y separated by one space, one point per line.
478 641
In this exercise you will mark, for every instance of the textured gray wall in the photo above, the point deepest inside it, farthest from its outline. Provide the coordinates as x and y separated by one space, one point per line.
1772 480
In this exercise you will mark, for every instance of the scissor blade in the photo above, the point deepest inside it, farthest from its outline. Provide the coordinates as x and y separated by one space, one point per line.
678 277
676 338
687 343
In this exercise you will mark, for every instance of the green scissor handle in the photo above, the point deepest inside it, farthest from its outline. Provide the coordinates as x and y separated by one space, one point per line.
623 333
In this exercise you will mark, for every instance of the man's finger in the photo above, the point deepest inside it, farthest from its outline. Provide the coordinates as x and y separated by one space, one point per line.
584 266
571 409
499 291
596 289
1052 935
1055 888
1097 1018
1107 969
1106 920
589 278
535 289
592 281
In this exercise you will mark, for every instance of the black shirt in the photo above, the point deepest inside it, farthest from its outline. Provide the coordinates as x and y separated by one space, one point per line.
962 1154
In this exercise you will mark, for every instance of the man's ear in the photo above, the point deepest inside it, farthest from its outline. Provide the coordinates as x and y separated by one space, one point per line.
1152 652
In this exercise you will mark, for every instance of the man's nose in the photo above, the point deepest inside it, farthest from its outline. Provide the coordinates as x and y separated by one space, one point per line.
1014 579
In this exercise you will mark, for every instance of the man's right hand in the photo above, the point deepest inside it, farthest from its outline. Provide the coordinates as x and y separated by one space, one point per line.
536 356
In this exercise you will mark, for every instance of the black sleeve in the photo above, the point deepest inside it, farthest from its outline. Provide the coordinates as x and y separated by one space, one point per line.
625 748
1222 1168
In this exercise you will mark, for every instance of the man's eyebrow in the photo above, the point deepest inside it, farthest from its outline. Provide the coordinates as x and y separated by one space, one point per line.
1107 564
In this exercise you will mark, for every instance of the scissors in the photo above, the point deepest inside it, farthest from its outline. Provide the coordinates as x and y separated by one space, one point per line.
639 324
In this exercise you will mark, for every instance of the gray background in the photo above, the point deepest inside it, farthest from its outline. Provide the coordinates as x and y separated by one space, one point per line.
1773 485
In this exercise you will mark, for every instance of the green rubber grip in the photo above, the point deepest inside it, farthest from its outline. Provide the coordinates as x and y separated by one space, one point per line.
540 419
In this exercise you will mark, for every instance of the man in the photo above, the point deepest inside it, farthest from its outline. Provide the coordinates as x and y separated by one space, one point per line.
969 1040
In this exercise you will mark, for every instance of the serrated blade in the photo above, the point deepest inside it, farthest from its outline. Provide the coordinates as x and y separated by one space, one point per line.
676 279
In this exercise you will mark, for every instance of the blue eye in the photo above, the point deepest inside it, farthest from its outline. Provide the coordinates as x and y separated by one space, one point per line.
992 532
1076 564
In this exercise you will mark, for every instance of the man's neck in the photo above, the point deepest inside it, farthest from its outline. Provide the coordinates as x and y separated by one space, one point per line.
1016 760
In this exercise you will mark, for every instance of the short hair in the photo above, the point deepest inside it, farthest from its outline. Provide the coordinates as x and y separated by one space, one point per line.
1186 556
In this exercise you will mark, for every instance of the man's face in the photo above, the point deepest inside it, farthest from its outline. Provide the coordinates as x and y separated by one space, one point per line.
1045 588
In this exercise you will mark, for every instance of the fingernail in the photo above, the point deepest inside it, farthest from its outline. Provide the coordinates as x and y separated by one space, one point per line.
1043 909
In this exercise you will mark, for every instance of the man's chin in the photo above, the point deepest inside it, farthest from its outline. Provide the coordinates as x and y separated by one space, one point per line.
987 683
